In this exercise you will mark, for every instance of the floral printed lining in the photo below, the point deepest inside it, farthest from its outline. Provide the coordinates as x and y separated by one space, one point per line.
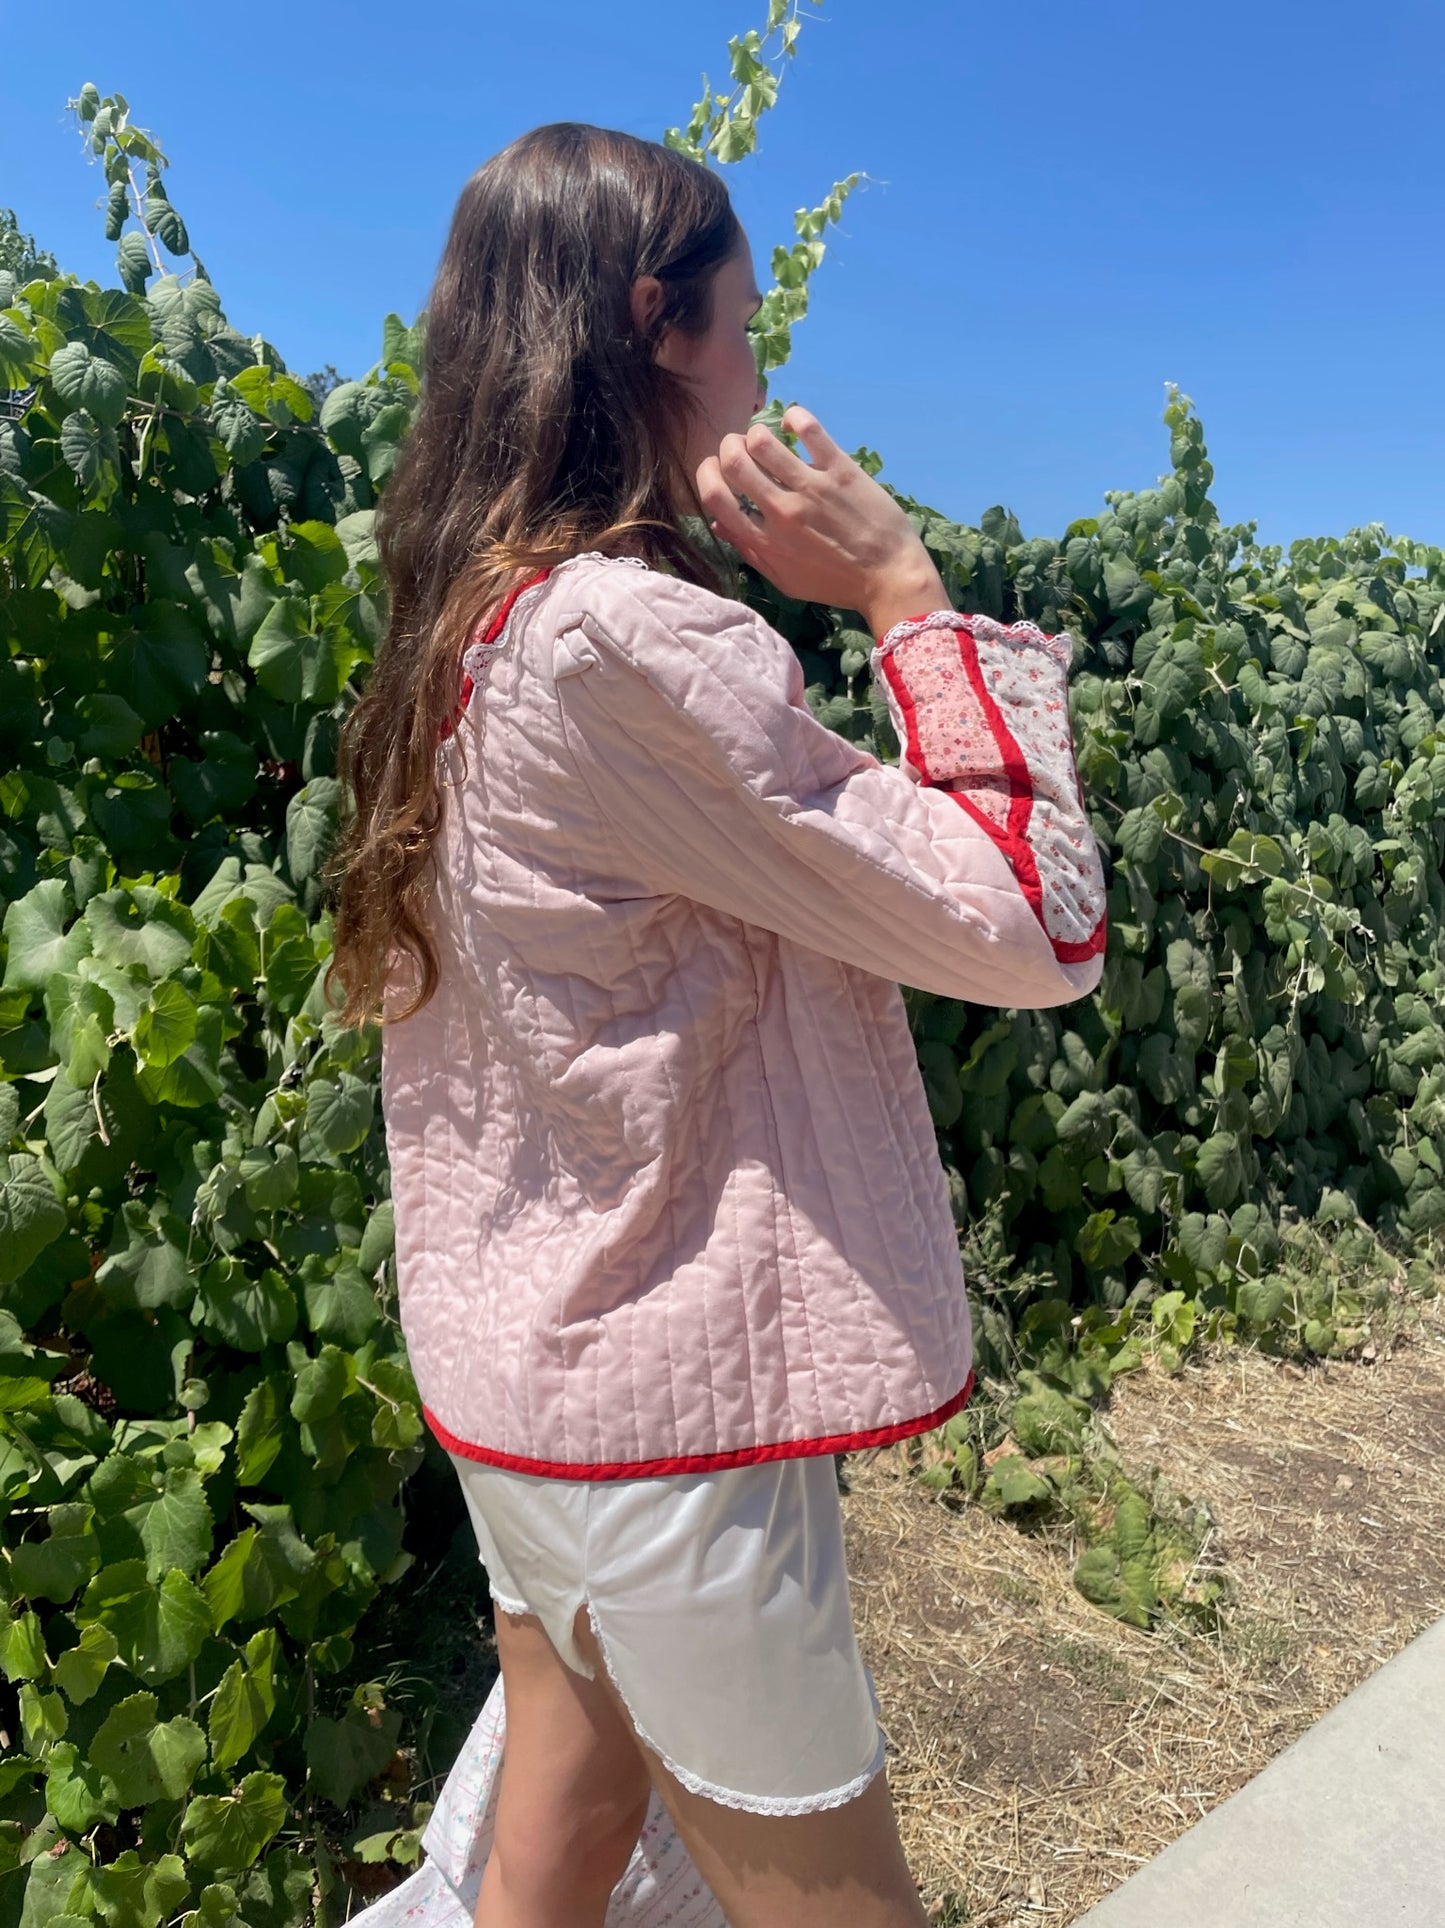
981 710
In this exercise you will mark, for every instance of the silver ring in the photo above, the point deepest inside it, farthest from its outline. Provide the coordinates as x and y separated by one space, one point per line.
749 507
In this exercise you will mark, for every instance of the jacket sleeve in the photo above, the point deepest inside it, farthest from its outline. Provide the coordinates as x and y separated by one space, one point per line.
969 870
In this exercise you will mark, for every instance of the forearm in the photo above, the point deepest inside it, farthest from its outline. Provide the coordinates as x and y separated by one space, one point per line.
912 587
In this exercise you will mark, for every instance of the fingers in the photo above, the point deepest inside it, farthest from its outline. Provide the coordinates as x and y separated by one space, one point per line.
720 500
743 473
786 490
814 437
775 458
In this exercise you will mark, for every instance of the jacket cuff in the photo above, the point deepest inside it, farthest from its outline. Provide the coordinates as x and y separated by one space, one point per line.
1059 647
981 709
952 682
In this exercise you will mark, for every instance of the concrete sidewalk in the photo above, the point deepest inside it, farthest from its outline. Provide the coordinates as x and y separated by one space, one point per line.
1346 1829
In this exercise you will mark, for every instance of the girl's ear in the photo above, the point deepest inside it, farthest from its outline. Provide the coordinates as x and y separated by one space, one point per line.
646 299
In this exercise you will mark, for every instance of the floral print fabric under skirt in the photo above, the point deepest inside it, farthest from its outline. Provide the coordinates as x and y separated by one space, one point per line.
661 1887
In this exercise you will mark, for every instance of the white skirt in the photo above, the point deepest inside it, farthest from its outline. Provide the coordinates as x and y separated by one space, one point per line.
720 1603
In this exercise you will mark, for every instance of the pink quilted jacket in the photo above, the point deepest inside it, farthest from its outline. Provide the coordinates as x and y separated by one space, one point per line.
668 1195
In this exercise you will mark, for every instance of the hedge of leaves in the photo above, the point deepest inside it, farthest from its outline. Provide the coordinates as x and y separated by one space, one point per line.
206 1419
1263 746
206 1415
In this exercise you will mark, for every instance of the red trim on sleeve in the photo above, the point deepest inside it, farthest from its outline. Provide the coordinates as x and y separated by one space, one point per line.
1012 838
909 709
1013 841
1081 953
702 1462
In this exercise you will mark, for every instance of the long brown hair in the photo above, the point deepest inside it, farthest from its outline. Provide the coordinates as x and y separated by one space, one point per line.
544 428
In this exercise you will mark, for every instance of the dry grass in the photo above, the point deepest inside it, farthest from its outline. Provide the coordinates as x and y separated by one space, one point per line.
1039 1751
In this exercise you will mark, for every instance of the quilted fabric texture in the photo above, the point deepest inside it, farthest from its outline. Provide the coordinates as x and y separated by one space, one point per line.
667 1190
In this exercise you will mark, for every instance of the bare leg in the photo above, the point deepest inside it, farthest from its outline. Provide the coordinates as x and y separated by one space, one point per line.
842 1867
573 1796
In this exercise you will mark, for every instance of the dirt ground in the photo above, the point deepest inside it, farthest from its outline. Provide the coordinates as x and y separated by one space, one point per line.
1039 1751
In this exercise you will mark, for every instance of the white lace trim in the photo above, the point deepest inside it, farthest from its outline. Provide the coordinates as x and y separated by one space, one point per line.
729 1797
1059 647
507 1603
596 555
477 658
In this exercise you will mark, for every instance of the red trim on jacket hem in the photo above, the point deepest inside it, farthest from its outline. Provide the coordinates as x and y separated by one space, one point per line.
701 1462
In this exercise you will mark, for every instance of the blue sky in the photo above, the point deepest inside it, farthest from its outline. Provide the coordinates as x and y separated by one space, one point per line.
1069 205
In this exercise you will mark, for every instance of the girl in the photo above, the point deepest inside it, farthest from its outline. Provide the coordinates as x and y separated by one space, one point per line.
672 1229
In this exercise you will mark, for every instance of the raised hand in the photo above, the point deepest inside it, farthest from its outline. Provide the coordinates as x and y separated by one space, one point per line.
821 531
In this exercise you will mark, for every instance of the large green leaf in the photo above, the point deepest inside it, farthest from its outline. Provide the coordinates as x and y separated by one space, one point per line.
110 727
238 426
90 449
31 1216
57 1566
1220 1169
77 1792
224 1833
261 1569
176 1528
146 1759
80 1670
259 1437
295 661
38 533
82 380
1106 1240
341 1305
159 1629
17 351
42 940
194 1078
141 927
109 322
134 1893
250 1310
338 1113
162 665
166 1027
57 1887
244 1701
146 1265
22 1647
311 827
343 1755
